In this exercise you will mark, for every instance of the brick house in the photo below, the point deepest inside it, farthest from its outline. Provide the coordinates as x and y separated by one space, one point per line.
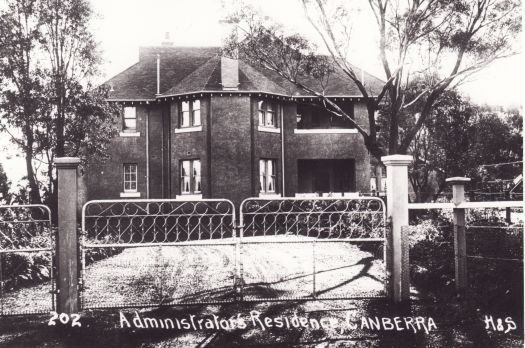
195 124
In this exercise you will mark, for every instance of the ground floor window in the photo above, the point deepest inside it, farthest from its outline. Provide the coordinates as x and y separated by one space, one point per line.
190 176
130 177
326 175
267 175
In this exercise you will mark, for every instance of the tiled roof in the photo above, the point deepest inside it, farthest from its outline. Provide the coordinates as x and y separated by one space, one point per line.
195 69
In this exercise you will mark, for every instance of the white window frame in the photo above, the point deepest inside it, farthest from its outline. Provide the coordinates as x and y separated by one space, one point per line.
264 175
125 116
194 119
133 171
192 177
267 118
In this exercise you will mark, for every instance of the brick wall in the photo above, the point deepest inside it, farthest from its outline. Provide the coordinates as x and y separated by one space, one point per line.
325 146
105 180
267 145
191 145
229 147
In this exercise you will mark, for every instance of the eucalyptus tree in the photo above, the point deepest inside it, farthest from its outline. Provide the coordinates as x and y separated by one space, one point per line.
437 42
48 58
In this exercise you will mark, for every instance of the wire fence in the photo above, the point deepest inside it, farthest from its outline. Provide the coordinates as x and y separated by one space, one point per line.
494 254
26 260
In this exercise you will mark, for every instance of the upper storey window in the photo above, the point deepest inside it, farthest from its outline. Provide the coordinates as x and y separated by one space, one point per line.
130 119
311 116
267 114
190 114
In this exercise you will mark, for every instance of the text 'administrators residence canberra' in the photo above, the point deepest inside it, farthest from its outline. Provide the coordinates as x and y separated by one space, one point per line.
198 125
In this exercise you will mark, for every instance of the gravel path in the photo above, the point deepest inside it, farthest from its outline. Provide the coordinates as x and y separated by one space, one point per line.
181 274
197 273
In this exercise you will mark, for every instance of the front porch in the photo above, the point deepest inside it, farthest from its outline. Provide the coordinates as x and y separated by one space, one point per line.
326 176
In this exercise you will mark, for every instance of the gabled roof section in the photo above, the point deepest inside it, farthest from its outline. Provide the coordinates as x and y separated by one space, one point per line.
196 80
185 70
176 63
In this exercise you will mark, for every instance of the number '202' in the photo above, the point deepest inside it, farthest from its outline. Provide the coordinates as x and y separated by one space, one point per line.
64 318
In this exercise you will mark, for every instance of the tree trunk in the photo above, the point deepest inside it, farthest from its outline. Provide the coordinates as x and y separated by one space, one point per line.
34 191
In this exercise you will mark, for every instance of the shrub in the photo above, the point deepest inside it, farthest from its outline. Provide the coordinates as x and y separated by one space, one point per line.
24 268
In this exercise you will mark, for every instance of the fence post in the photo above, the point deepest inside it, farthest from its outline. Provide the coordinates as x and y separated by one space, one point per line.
508 217
460 243
67 244
397 211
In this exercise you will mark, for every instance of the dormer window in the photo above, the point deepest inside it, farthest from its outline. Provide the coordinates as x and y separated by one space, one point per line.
190 114
130 119
267 114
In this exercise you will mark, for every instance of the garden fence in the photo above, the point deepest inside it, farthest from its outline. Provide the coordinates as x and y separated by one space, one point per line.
317 225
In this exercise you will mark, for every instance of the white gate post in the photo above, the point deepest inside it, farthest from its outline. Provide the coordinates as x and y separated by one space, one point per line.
397 211
460 242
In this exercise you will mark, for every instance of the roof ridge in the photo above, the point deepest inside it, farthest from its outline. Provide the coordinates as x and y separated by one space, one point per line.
258 72
209 77
123 71
191 76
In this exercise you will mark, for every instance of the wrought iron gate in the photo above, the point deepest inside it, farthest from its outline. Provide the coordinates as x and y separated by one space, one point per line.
148 253
27 248
150 242
319 248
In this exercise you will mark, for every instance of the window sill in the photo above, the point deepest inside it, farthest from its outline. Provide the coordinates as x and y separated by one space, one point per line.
189 197
130 195
352 195
269 129
129 134
326 131
307 195
188 129
269 195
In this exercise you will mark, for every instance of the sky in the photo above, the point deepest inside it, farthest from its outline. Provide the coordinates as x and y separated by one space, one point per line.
122 26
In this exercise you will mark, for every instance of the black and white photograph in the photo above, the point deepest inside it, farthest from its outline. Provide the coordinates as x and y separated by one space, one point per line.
277 173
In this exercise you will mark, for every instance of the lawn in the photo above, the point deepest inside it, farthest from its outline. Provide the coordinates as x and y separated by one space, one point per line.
196 274
175 274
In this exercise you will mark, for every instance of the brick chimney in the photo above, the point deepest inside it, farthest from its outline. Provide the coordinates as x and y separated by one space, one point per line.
229 74
167 41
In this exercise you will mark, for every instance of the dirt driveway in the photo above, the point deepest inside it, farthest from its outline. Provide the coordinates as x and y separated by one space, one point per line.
270 269
143 276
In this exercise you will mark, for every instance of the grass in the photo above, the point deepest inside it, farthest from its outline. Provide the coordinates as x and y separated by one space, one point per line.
182 274
167 275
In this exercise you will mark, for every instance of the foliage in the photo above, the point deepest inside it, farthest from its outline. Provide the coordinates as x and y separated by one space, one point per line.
5 184
22 269
25 228
456 139
494 285
439 41
49 109
96 254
